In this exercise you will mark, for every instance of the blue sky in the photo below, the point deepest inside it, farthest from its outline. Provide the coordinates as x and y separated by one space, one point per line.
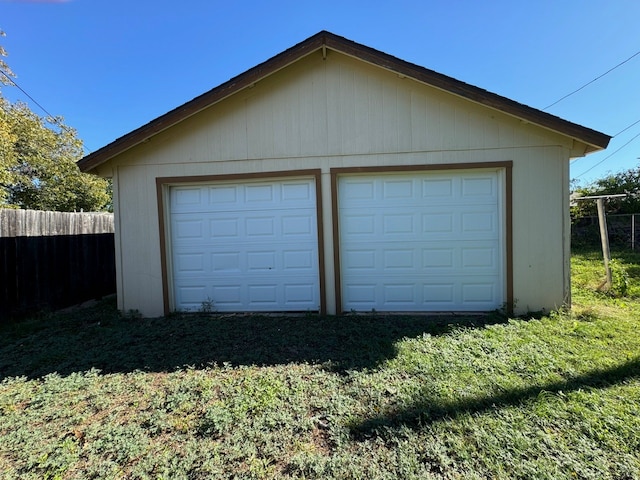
110 66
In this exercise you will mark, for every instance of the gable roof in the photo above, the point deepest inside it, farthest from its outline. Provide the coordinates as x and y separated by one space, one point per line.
326 40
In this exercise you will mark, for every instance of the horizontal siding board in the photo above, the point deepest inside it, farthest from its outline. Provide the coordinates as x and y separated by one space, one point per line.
336 106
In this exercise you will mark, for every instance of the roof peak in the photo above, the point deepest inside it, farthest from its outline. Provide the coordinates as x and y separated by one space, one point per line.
326 39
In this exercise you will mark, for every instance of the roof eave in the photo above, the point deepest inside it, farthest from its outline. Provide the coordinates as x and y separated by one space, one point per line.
206 100
593 139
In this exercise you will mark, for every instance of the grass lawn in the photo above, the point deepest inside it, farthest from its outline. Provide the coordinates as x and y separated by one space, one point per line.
90 394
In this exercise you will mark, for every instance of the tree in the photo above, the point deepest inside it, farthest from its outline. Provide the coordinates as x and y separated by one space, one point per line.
39 168
627 181
38 161
5 72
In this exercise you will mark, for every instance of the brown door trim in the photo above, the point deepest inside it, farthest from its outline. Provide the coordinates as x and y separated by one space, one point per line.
162 188
508 213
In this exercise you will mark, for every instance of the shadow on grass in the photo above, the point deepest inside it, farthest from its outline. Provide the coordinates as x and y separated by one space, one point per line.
430 408
100 338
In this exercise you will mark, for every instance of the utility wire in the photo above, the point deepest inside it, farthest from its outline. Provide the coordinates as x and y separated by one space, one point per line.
609 156
53 119
627 128
614 136
589 83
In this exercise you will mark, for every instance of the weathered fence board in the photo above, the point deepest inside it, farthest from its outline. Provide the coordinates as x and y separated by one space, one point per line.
51 260
33 223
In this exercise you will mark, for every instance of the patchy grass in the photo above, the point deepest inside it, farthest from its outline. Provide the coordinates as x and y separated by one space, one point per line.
588 274
91 394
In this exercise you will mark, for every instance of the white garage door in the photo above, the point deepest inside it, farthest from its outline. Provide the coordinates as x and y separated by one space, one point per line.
245 247
422 241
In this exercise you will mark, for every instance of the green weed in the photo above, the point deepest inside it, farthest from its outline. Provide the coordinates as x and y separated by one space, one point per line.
91 394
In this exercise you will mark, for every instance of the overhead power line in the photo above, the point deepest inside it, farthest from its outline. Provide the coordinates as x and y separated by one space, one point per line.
627 128
52 117
590 82
609 156
614 136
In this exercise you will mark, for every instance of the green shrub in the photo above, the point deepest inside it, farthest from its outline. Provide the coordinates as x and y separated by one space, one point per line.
619 279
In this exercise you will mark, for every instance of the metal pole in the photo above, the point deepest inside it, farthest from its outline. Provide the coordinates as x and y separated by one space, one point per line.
633 231
604 239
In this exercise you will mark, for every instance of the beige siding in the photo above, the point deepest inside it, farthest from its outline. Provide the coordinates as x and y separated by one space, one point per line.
340 112
337 107
538 230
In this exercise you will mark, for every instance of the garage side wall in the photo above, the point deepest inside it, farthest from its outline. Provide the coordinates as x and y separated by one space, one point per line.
337 113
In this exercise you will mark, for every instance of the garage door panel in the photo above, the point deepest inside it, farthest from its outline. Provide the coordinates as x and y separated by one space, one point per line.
294 193
263 295
357 190
247 247
235 294
445 293
421 241
279 225
399 259
438 258
480 258
262 226
438 222
298 260
223 195
224 228
439 295
297 225
416 257
475 222
360 294
242 197
360 259
398 223
228 297
261 261
481 293
188 196
248 260
229 262
188 229
400 294
437 189
259 193
191 296
455 188
190 262
479 221
479 187
398 189
359 224
299 293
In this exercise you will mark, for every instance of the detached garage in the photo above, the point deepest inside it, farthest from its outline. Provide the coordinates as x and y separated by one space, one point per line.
336 178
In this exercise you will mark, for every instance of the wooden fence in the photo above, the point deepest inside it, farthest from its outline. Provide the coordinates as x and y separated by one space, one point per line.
51 260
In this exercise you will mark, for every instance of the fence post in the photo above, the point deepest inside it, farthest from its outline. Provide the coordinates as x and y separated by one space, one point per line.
633 231
604 238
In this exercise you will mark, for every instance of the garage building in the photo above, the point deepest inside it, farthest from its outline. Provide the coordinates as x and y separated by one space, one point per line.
334 178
